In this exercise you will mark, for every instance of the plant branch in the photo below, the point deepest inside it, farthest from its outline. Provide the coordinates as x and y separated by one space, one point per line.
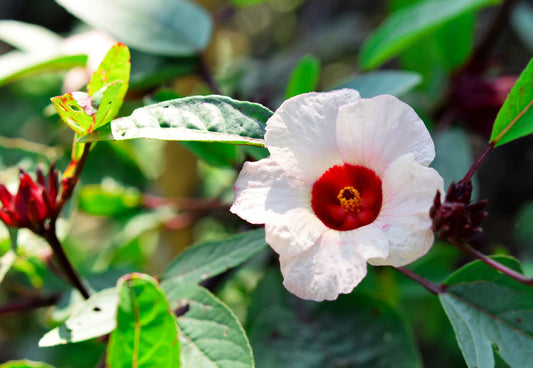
28 303
428 285
494 264
70 272
207 76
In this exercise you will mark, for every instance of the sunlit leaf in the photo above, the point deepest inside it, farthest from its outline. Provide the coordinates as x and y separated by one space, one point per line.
6 261
489 310
210 334
114 68
406 26
94 318
304 76
515 118
104 201
391 82
198 118
146 334
211 258
72 113
354 331
165 27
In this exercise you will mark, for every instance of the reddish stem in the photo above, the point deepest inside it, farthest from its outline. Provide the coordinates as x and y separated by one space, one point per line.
478 161
27 303
495 264
428 285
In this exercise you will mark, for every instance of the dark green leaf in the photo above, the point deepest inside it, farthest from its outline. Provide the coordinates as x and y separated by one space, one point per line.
165 27
24 364
211 258
199 118
354 331
210 335
391 82
488 309
146 334
95 318
515 118
304 77
406 26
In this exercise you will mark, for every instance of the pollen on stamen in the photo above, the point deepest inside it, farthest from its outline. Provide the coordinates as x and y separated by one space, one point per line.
350 199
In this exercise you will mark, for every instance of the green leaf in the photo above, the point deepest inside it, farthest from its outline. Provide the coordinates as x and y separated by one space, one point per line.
24 364
406 26
488 309
164 27
108 201
215 154
94 318
109 104
72 113
28 37
114 68
354 331
304 77
210 335
16 65
198 118
391 82
146 333
515 118
210 258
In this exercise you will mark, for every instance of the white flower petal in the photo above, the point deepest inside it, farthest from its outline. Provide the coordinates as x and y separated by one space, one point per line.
376 131
265 194
329 268
408 192
301 134
369 241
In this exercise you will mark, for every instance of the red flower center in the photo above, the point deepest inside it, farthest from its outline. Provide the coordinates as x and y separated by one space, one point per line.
347 197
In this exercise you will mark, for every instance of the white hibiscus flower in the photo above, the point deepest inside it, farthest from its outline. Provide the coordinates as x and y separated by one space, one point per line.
347 183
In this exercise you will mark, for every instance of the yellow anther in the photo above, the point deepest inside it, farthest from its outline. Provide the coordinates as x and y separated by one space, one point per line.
350 199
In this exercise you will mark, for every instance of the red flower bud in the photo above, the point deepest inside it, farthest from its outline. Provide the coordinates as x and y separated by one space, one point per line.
33 203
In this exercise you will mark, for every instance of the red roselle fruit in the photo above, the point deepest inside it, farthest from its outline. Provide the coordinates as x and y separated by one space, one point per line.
33 203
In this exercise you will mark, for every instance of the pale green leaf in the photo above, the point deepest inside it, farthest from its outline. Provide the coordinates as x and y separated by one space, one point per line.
198 118
24 364
406 26
489 310
165 27
210 258
515 118
304 76
210 334
94 318
72 113
28 37
146 334
390 82
17 65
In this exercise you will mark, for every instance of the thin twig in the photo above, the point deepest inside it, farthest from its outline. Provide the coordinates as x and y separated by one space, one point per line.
207 76
28 303
428 285
495 264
